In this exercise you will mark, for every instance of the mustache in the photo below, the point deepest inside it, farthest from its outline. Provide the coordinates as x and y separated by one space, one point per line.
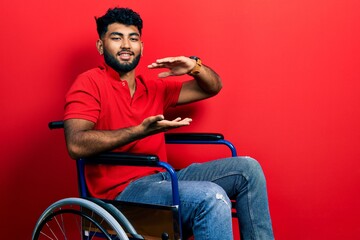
126 52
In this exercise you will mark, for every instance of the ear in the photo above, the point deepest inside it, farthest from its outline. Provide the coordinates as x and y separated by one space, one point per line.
142 48
100 46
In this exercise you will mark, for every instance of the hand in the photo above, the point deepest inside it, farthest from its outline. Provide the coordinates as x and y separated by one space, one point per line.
176 65
157 124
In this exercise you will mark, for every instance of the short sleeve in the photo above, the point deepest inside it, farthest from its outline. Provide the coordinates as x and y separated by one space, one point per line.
171 93
82 101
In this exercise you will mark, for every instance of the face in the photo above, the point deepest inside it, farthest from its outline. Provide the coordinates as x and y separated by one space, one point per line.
121 46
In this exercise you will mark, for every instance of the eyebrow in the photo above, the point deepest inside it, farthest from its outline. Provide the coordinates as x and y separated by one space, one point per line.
121 34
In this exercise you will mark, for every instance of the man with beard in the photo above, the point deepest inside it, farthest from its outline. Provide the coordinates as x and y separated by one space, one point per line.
109 108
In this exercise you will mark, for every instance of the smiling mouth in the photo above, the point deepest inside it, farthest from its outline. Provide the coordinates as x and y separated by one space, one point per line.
125 55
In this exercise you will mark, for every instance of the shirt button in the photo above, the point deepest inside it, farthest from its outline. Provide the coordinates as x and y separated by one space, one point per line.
123 84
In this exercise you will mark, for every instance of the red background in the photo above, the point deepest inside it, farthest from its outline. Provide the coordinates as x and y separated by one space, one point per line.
290 99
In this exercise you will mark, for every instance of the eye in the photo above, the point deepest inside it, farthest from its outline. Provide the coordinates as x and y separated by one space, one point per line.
134 39
116 38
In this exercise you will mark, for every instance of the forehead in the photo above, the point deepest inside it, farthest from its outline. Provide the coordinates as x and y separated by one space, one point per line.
122 28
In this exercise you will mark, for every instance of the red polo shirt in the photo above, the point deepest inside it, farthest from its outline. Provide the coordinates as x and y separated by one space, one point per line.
100 96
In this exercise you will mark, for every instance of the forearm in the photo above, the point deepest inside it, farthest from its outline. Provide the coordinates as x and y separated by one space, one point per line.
82 140
85 143
208 80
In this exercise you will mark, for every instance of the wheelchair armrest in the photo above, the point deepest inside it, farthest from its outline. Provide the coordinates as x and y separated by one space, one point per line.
56 124
119 158
199 138
170 137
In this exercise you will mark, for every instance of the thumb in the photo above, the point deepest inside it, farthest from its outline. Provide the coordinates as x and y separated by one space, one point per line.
156 118
152 119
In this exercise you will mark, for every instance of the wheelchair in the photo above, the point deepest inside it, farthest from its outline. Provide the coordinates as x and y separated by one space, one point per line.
86 217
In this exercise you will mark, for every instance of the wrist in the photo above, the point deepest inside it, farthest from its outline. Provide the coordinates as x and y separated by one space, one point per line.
138 132
198 65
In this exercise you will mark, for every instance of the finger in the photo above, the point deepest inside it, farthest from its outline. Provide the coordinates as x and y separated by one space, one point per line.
155 65
160 63
183 122
167 60
187 120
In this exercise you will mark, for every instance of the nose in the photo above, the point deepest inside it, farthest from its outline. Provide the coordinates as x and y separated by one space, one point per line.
125 43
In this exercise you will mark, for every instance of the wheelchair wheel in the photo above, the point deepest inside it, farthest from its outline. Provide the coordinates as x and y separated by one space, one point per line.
77 218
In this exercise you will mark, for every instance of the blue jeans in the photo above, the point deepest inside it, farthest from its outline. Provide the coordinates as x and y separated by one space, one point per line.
205 190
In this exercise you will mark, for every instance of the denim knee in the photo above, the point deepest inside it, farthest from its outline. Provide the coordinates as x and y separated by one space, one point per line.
251 168
206 193
215 192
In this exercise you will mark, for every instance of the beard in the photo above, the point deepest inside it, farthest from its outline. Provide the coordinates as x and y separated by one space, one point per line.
120 67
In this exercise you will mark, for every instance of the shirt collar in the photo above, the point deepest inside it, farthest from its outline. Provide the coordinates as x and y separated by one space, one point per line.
115 76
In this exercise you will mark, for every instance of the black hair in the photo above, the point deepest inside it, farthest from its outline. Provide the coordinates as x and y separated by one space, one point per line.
124 16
